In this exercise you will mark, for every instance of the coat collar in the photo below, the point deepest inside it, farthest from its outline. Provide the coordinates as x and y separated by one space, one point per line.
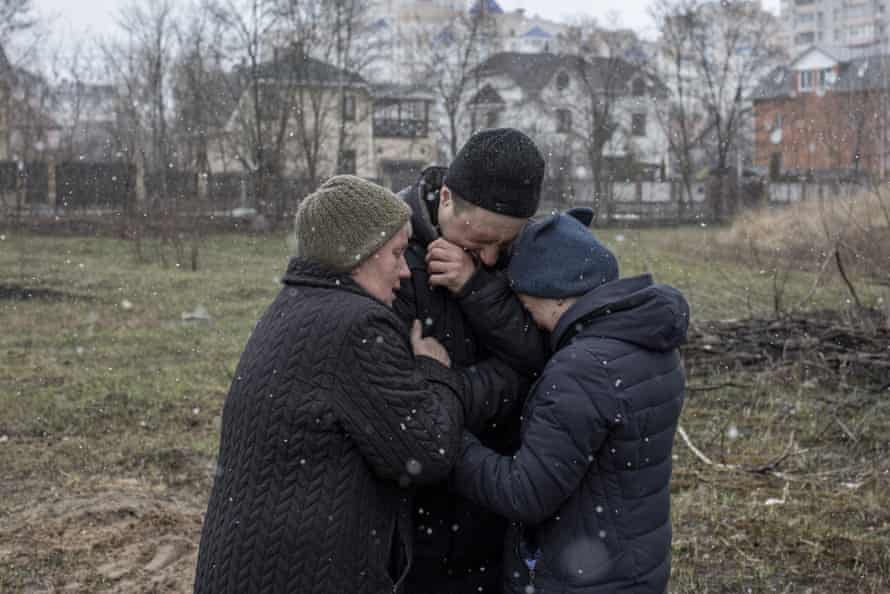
307 273
423 198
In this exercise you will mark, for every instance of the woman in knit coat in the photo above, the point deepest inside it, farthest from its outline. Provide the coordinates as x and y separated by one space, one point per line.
331 418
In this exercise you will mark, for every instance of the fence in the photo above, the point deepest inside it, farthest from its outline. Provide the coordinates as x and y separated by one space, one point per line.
653 202
89 188
102 187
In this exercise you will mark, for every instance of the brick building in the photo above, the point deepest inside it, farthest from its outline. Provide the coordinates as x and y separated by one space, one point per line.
826 113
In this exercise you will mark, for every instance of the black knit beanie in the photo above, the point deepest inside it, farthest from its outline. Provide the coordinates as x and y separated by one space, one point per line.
500 170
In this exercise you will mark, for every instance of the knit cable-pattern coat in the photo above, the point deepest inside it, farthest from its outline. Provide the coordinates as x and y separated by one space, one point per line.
329 422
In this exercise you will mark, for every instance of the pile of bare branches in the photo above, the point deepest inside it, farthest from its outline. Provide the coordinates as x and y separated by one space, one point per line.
825 346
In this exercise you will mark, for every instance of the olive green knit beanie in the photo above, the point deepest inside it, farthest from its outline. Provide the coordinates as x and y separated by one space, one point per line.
346 220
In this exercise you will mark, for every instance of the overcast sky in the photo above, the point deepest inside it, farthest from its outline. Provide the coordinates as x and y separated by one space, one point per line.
78 16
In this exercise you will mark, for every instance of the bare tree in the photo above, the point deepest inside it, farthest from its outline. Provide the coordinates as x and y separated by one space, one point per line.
732 44
16 16
605 86
81 103
199 90
448 64
681 117
141 63
294 61
264 84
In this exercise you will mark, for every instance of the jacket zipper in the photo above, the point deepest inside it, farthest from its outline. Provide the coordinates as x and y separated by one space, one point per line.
531 564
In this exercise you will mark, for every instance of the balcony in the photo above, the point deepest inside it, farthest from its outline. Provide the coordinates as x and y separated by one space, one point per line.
400 128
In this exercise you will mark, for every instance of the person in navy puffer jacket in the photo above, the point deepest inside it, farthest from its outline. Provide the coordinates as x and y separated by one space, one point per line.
588 492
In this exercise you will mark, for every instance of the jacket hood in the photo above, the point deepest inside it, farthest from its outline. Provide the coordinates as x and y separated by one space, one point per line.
635 310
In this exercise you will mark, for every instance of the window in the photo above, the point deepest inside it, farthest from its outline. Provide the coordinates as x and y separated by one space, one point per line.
639 88
638 124
491 119
562 81
806 80
347 162
808 37
860 34
563 120
349 108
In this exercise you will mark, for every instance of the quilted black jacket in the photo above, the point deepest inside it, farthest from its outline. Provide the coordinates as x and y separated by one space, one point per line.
328 422
492 339
590 486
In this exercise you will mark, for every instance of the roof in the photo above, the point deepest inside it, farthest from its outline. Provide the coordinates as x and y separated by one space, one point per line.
293 65
488 6
487 96
537 31
532 72
870 72
840 53
778 83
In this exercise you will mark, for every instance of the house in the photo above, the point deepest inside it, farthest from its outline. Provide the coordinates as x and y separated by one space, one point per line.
381 132
552 97
87 112
825 113
315 120
712 70
27 130
403 137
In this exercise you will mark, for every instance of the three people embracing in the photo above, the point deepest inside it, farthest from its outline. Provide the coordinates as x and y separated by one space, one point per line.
447 396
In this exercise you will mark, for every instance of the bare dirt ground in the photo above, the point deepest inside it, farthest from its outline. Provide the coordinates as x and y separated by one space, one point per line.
111 536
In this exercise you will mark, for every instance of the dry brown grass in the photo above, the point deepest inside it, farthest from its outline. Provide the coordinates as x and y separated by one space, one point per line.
805 235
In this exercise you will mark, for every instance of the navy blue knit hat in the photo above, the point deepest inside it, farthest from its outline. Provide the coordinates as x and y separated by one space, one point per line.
559 257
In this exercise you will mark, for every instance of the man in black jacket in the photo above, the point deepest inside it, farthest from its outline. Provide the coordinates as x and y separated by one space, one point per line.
463 219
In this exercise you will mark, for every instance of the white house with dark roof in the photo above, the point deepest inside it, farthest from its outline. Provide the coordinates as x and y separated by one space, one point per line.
544 95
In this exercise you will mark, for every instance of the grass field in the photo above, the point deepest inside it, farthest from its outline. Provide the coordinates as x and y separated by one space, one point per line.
110 407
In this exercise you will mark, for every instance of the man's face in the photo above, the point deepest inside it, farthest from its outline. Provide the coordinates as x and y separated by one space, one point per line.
382 273
479 231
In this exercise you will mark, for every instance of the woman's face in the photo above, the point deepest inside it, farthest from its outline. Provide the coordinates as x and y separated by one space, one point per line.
382 273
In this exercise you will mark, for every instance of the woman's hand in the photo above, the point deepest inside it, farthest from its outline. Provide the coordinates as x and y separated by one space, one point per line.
428 347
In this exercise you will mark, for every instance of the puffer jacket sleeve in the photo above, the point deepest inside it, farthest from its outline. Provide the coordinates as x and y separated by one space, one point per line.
565 428
502 323
403 412
493 392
